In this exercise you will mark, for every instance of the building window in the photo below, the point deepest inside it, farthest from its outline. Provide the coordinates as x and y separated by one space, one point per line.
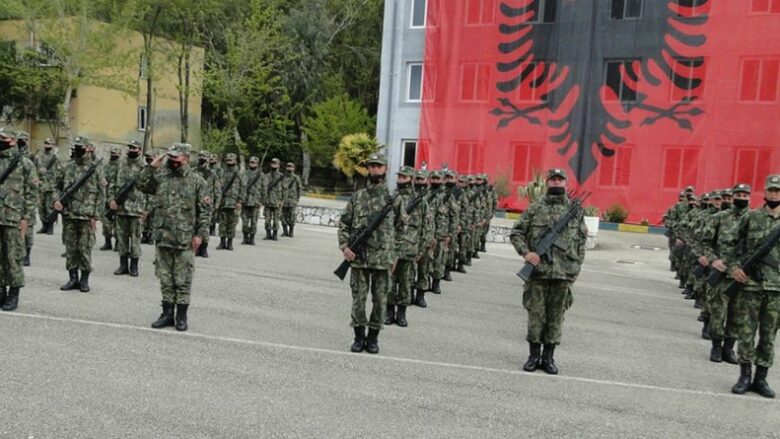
765 6
759 80
617 80
752 165
414 83
527 161
419 12
530 89
409 152
626 9
694 10
692 80
480 12
143 67
615 171
142 118
544 11
474 82
680 166
469 157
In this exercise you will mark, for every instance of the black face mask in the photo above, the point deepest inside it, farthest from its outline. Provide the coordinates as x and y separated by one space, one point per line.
47 148
149 160
174 165
231 165
435 185
274 169
79 153
4 145
691 206
202 162
375 179
133 154
114 158
419 183
726 205
556 190
253 167
772 204
704 206
741 204
404 185
450 184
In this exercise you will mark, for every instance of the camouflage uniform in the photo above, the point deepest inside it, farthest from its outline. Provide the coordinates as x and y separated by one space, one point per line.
214 192
146 221
23 141
273 200
468 220
109 173
250 208
214 164
232 191
491 201
441 233
17 203
547 293
183 199
452 198
408 245
49 172
292 194
129 214
425 240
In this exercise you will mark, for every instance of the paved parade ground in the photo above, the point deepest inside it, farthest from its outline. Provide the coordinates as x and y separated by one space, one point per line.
267 354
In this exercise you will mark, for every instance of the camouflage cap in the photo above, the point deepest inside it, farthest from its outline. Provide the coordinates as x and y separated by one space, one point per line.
471 178
463 178
8 132
554 172
49 141
254 159
421 173
377 159
22 135
81 140
726 192
435 174
406 171
133 144
202 154
690 189
741 187
213 158
682 194
179 149
231 156
115 150
290 165
716 195
772 182
705 196
276 160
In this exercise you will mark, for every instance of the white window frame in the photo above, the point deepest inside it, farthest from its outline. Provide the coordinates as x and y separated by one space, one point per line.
143 118
539 19
409 67
425 15
625 9
404 142
620 92
768 12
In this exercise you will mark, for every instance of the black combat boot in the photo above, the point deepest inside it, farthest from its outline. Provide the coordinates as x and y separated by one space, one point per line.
291 233
534 358
73 281
681 284
760 385
50 229
436 288
548 362
122 267
181 316
420 299
447 274
482 247
229 245
400 318
204 249
689 295
251 239
13 301
284 230
698 303
475 255
743 383
728 351
134 267
360 339
267 235
245 239
274 236
107 245
372 342
3 296
213 230
43 229
716 353
389 314
26 258
145 239
705 330
468 260
460 268
221 245
166 318
84 282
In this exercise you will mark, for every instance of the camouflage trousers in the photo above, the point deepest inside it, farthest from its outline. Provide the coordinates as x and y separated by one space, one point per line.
546 302
228 220
108 227
403 283
476 239
272 217
361 281
452 251
465 245
722 312
249 216
757 311
128 236
45 204
439 260
147 223
28 237
212 214
424 270
175 268
11 272
79 239
288 215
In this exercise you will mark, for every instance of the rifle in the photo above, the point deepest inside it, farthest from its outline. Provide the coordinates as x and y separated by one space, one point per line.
358 242
254 180
551 235
229 185
121 197
414 203
66 195
749 264
10 169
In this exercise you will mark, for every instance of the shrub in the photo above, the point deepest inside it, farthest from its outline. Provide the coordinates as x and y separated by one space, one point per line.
616 213
591 211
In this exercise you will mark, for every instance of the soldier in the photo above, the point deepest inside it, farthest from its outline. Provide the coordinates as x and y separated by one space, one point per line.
700 251
230 206
49 172
18 194
129 211
426 240
273 200
181 225
491 200
146 219
214 164
80 215
715 234
372 271
758 303
467 220
669 219
250 208
292 194
22 142
214 192
408 245
109 172
547 293
451 198
481 202
442 233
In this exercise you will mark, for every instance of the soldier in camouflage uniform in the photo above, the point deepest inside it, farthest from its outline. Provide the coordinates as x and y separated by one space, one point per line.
49 172
403 278
109 173
758 302
292 194
452 198
181 223
491 201
230 206
547 294
443 233
250 208
18 195
700 252
669 219
426 240
128 214
481 204
715 234
214 164
372 272
146 220
80 215
467 220
214 192
273 200
22 142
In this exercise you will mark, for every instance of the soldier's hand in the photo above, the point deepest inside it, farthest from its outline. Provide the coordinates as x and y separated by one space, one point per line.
196 242
532 258
447 242
678 242
719 265
392 269
739 275
158 161
23 227
238 206
58 206
348 254
93 224
704 261
112 205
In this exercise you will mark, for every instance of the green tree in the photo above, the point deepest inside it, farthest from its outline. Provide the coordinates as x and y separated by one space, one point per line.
353 151
329 122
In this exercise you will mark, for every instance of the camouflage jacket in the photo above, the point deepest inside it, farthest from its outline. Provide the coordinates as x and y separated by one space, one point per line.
428 228
565 259
49 170
480 206
128 169
89 200
717 231
110 169
440 213
182 207
453 210
491 201
409 242
19 192
213 183
292 190
468 212
745 237
384 247
233 194
254 193
273 192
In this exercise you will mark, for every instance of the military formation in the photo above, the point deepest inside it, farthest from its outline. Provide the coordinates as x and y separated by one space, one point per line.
727 259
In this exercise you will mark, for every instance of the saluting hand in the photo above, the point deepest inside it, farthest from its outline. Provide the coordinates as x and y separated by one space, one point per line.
157 162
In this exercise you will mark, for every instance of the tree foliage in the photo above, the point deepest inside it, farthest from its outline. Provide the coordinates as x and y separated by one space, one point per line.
329 122
352 153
